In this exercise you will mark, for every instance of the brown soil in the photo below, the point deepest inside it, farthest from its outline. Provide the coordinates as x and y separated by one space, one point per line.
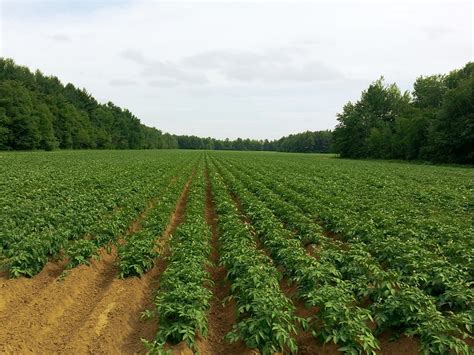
147 330
136 225
221 316
88 310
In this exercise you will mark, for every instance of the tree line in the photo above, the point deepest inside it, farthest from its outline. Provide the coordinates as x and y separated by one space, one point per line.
435 122
306 142
39 112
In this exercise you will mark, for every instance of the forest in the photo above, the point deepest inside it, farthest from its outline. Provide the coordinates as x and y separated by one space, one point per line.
39 112
434 122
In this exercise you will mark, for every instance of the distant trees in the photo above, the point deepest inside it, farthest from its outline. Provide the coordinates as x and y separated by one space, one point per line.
39 112
306 142
435 122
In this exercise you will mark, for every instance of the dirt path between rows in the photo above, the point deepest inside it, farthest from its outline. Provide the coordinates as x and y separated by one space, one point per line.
88 311
221 316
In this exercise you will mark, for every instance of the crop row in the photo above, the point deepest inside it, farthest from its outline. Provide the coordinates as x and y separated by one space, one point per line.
183 297
138 251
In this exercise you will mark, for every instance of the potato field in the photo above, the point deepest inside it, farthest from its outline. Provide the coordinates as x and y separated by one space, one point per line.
178 252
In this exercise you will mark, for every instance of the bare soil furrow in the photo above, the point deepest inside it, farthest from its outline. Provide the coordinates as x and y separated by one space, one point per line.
221 316
87 311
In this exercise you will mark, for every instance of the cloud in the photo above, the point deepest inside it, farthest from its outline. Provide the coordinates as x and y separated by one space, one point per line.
165 70
122 82
133 55
436 32
223 59
162 83
273 65
172 70
306 73
270 66
61 37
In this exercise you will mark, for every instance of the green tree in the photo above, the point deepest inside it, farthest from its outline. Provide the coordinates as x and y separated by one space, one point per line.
22 124
365 128
451 137
48 140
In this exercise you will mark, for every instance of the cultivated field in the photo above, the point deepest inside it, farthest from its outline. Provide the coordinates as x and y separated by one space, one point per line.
233 253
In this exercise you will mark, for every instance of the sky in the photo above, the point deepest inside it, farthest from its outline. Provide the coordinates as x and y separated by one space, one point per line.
251 69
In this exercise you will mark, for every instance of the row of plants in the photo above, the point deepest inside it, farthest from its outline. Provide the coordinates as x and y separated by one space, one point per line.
183 296
266 318
135 250
68 205
319 283
138 251
394 303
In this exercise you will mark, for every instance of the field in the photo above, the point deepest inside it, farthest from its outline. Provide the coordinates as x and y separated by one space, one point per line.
233 253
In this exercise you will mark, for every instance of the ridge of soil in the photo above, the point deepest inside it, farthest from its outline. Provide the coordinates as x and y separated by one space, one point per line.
221 316
148 329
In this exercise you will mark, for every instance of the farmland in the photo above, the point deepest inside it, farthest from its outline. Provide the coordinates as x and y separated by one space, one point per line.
233 252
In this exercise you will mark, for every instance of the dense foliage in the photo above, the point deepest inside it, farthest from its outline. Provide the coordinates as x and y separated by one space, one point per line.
435 123
39 112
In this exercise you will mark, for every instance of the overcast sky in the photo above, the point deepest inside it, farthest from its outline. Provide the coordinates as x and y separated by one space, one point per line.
228 69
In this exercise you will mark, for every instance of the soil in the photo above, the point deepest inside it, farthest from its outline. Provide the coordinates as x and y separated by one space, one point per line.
221 316
86 310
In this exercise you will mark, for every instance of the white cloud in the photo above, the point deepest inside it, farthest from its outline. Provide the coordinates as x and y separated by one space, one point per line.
60 37
122 82
133 55
158 83
272 65
160 69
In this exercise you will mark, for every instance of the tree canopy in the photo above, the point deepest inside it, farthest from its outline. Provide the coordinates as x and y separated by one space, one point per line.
435 122
39 112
